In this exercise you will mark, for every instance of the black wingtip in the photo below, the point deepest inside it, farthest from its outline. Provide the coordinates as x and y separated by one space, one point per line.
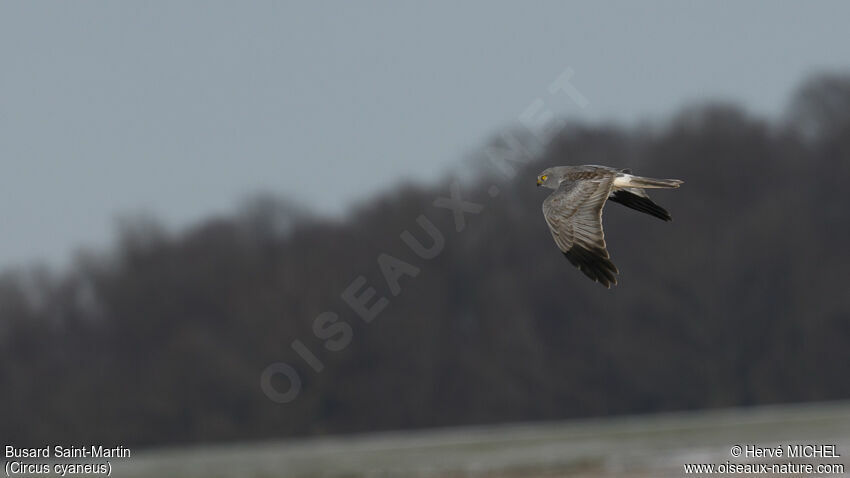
642 204
594 263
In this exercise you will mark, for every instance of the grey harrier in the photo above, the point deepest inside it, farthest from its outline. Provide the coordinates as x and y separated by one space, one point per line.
574 211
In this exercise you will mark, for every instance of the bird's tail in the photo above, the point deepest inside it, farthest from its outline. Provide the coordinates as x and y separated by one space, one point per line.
642 182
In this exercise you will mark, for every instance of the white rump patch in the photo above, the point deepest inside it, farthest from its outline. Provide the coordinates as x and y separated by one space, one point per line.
623 181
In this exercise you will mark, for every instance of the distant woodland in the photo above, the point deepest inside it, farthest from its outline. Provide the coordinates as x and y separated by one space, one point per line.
741 300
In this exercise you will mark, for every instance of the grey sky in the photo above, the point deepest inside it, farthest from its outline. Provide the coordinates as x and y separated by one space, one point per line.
183 108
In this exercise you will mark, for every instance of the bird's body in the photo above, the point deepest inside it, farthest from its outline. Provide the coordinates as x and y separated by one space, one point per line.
574 211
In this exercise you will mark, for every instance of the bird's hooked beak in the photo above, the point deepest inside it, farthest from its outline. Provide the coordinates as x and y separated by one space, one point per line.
539 182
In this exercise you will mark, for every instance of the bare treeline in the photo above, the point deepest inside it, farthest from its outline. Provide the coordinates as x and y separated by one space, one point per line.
741 300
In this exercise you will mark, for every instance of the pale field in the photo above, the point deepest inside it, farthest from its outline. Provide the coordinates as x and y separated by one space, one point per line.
634 446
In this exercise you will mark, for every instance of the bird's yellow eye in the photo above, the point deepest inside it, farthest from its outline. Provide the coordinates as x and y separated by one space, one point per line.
543 178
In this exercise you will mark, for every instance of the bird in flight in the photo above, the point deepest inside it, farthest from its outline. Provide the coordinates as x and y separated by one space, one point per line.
574 211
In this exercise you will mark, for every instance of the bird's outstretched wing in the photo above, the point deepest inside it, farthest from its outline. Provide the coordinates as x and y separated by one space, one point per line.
574 215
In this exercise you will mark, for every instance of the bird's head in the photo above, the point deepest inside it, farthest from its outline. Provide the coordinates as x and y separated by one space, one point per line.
548 179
